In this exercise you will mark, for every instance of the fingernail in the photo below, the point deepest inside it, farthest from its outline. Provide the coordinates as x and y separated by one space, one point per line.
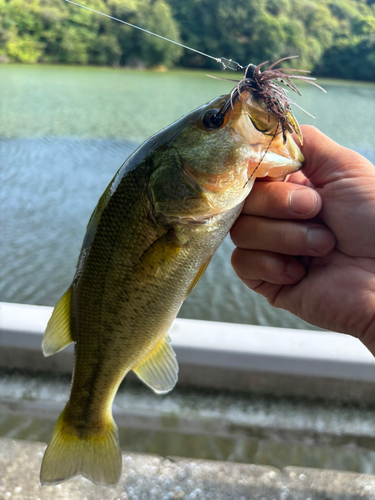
319 239
303 201
293 270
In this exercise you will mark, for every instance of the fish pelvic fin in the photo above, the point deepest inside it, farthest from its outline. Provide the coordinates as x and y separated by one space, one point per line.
160 368
96 456
58 334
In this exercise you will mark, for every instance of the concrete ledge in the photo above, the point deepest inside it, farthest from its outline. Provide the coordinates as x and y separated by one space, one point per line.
149 477
239 418
266 360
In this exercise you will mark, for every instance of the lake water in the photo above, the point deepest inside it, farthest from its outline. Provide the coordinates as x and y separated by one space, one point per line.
64 131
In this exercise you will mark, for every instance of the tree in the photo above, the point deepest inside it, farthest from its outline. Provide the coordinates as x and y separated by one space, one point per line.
332 37
55 31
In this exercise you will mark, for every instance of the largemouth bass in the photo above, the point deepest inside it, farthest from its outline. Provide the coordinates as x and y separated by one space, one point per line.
148 242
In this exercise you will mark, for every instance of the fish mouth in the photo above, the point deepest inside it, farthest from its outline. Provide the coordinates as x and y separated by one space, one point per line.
281 159
271 150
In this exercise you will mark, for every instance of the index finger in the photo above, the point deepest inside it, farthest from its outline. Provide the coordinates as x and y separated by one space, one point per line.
282 200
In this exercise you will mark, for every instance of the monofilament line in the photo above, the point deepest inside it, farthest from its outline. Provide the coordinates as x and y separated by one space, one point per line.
221 60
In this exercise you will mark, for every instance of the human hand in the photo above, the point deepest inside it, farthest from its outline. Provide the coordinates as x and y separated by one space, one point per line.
311 251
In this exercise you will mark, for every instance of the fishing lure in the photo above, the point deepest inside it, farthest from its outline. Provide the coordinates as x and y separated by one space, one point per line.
275 98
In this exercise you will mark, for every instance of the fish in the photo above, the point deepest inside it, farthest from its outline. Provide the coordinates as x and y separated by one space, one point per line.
147 244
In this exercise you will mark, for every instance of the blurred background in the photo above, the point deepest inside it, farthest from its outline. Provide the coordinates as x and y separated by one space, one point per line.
333 38
80 92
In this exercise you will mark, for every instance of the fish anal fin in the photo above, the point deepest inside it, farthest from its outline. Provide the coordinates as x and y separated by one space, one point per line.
58 334
198 276
96 456
160 368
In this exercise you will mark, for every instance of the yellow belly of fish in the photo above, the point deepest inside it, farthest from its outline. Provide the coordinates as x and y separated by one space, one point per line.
129 335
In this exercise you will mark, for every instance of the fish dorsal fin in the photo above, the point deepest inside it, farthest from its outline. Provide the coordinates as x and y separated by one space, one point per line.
160 369
58 335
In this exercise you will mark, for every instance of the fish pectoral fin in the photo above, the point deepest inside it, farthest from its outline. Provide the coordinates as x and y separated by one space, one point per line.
58 334
160 258
198 276
160 369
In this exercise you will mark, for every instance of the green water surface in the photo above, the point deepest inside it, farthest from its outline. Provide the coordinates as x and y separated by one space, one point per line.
92 102
64 132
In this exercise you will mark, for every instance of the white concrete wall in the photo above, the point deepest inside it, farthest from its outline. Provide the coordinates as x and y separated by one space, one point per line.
249 358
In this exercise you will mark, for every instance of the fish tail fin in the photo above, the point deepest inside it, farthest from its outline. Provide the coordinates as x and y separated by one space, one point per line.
96 456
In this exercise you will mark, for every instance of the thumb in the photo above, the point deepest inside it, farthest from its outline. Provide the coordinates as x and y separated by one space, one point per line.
326 161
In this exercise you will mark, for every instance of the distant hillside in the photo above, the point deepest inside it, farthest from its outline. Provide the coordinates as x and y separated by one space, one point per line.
334 38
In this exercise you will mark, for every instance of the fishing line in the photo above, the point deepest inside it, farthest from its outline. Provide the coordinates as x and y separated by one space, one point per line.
227 63
264 155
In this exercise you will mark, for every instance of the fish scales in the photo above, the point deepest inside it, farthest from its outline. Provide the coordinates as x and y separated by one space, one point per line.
148 242
126 290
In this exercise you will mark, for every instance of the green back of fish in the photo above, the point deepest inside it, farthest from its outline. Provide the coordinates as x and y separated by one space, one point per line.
148 242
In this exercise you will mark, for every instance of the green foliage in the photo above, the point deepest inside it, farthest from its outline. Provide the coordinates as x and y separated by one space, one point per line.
329 36
137 48
54 31
332 37
23 48
351 54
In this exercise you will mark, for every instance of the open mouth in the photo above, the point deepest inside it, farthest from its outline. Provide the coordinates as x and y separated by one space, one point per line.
271 151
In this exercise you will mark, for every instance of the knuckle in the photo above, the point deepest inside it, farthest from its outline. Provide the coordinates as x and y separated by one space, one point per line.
234 232
240 233
270 266
236 259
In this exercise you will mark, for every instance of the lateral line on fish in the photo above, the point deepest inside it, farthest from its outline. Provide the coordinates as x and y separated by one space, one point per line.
227 63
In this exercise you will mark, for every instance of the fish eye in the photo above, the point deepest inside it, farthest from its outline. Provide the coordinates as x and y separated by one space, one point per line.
212 119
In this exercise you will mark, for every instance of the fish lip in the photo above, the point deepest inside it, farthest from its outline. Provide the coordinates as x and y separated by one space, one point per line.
277 140
267 151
